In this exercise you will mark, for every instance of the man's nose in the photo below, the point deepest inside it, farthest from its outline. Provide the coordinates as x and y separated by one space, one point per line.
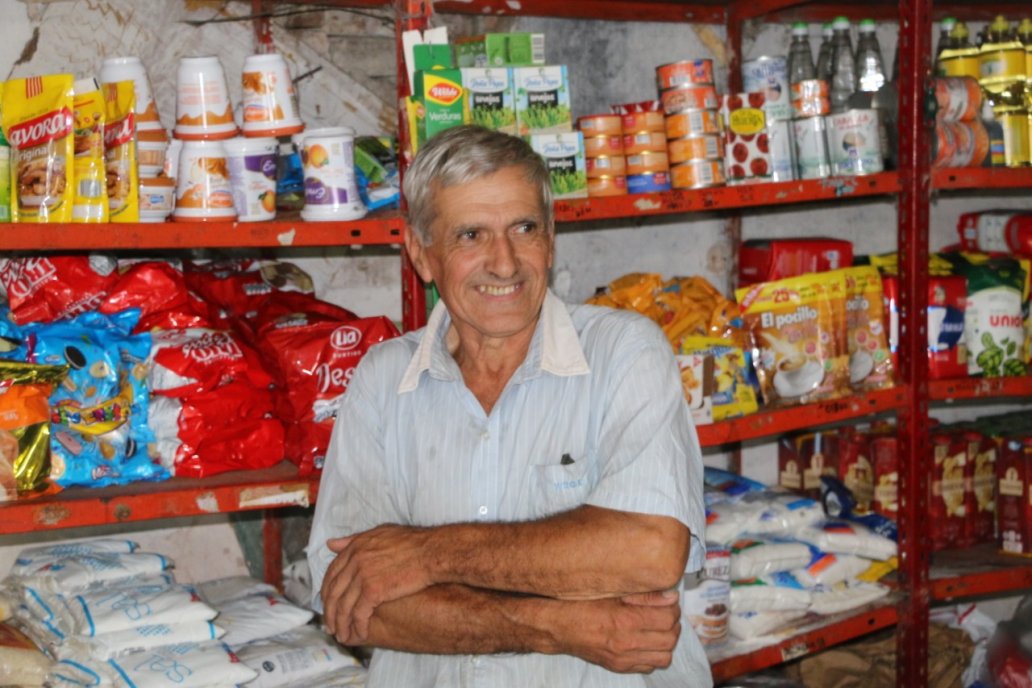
503 260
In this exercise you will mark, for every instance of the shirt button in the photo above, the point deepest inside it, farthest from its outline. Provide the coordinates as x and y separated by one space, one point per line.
483 511
485 435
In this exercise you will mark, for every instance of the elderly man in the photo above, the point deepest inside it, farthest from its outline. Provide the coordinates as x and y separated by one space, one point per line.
513 493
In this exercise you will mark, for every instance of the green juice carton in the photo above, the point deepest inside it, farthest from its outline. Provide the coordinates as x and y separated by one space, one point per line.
500 50
490 96
542 100
564 156
441 102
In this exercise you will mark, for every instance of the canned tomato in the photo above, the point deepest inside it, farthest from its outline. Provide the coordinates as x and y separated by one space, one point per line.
811 145
769 75
697 174
1015 123
957 98
595 146
647 163
600 125
854 143
644 141
684 72
688 98
704 147
648 183
692 123
810 98
606 166
642 121
607 186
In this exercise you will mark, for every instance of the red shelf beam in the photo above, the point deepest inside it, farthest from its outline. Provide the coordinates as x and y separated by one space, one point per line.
982 178
272 488
979 388
777 421
724 197
978 570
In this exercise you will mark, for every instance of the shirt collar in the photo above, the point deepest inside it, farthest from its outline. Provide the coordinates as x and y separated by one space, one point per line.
561 352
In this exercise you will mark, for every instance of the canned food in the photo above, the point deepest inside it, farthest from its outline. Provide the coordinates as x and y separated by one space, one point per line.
644 141
595 146
960 62
782 151
684 72
810 98
811 145
704 147
854 143
640 106
688 98
692 123
643 121
606 166
648 183
600 125
607 186
959 144
697 174
647 163
769 75
957 98
1015 123
1001 60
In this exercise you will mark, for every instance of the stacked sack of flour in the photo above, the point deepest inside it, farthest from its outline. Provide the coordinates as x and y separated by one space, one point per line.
788 561
103 613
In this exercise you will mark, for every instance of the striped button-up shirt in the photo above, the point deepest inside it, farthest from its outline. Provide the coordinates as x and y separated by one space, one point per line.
594 415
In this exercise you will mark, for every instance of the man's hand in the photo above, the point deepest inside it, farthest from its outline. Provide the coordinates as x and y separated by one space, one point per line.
373 567
630 634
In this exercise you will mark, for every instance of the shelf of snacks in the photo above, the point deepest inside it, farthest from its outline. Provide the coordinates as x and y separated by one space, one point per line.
725 197
982 178
979 388
808 636
777 421
272 488
385 229
979 570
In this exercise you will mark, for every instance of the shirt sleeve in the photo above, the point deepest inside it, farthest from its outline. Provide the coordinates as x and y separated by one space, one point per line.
354 476
648 452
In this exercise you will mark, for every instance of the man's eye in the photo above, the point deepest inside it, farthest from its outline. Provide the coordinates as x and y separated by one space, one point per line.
468 235
526 228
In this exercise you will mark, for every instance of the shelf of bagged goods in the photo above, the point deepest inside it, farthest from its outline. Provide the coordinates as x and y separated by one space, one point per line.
979 388
380 228
982 178
271 488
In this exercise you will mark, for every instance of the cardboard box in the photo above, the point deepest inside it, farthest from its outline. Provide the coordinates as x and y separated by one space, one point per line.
946 509
442 100
766 260
542 100
491 98
430 56
500 50
1014 500
564 156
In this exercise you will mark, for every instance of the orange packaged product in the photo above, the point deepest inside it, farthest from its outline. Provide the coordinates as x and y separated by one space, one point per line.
595 146
606 166
697 174
645 141
649 120
607 186
693 123
648 162
705 147
600 125
870 365
123 185
38 122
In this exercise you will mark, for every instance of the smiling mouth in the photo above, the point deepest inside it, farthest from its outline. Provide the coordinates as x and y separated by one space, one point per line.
490 290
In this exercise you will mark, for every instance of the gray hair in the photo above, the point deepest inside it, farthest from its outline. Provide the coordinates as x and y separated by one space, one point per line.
461 155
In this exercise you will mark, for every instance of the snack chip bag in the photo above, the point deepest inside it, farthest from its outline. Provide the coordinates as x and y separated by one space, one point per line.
123 186
91 201
870 365
39 124
24 430
50 287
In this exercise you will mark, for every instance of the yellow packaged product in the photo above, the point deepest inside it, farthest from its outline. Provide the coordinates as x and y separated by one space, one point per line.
870 365
731 393
636 291
90 200
39 124
123 187
797 326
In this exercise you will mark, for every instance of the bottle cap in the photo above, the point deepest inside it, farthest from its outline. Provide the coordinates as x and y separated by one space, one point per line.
866 26
800 29
827 29
840 23
999 25
948 23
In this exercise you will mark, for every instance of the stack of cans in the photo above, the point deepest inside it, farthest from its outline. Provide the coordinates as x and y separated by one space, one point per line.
810 104
604 158
645 142
695 143
768 76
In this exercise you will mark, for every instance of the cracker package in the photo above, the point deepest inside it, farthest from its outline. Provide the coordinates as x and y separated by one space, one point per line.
731 393
120 151
91 201
870 365
797 326
24 428
38 123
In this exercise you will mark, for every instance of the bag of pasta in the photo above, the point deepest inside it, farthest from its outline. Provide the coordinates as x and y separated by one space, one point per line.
120 152
38 123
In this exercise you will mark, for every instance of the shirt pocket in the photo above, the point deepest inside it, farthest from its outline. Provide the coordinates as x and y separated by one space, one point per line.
559 488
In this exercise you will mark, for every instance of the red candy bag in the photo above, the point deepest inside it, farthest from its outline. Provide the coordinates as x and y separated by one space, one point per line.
48 288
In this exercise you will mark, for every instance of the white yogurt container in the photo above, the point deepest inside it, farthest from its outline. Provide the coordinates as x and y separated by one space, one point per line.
252 176
331 192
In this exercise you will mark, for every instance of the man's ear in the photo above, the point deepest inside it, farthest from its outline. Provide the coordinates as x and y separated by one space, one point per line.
417 254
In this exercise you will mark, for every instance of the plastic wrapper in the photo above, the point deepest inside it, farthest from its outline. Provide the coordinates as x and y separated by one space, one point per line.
732 393
91 201
158 289
870 365
241 288
192 361
42 289
123 184
25 391
771 593
753 557
842 537
297 657
73 573
254 617
21 662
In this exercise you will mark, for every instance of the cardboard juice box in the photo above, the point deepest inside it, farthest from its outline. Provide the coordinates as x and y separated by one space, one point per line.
542 100
564 156
442 102
500 50
490 96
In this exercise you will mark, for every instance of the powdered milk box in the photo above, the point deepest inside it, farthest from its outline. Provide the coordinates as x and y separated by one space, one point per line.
490 95
542 100
564 156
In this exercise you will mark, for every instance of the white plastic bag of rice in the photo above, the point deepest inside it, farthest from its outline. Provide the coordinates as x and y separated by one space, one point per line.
219 591
137 639
828 569
776 592
846 537
844 597
259 616
752 625
752 557
297 657
97 612
84 571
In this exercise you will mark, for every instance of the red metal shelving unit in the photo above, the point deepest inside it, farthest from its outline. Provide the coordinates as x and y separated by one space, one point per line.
978 570
982 178
966 388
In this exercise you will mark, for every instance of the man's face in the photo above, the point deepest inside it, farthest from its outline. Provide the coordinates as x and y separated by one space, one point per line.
490 254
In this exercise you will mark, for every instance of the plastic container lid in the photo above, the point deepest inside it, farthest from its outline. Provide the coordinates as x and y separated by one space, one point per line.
840 23
327 132
242 145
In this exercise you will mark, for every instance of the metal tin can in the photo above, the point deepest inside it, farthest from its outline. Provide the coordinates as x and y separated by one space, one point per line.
697 174
1015 123
854 143
642 121
769 75
810 98
684 72
782 151
607 186
648 183
688 98
600 125
644 141
595 146
606 166
960 62
640 106
693 123
960 144
647 162
811 145
702 147
958 99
